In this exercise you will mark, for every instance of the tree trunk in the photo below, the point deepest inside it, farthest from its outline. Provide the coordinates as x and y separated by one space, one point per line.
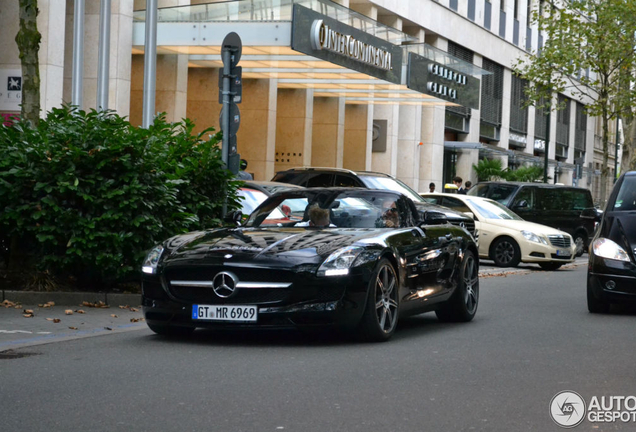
604 167
628 160
28 40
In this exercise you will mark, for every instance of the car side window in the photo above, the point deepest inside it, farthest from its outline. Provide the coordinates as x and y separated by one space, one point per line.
455 204
320 180
582 200
525 194
346 181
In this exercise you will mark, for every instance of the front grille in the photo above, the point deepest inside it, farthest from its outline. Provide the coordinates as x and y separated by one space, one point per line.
560 240
242 296
470 225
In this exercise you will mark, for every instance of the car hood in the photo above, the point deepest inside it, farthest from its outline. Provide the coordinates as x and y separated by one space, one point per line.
620 228
522 225
272 245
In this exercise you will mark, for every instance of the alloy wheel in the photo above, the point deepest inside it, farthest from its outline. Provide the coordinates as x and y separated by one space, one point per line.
504 252
471 283
386 305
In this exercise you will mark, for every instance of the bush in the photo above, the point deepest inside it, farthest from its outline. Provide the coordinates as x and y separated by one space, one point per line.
86 194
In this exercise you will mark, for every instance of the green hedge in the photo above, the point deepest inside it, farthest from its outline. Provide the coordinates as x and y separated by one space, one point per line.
85 194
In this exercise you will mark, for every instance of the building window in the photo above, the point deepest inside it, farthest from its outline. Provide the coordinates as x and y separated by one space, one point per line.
466 55
541 121
492 93
518 112
487 14
502 24
453 4
471 10
580 129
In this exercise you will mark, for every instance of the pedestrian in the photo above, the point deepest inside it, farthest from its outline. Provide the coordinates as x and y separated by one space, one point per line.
468 185
431 187
457 181
242 174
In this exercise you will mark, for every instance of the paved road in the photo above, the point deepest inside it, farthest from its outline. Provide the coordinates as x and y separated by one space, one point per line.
532 338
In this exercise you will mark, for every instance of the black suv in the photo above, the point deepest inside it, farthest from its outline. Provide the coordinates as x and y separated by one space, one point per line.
328 177
567 208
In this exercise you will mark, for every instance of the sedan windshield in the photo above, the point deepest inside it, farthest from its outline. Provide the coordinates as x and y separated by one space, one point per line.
493 210
626 199
325 208
391 184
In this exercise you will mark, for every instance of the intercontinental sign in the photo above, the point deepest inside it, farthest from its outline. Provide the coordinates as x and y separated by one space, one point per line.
325 37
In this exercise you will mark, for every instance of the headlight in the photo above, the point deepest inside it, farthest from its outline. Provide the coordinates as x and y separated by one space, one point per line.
340 261
150 263
534 237
605 248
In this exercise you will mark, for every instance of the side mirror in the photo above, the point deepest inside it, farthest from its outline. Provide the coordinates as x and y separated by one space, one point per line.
521 204
234 217
591 213
469 214
434 218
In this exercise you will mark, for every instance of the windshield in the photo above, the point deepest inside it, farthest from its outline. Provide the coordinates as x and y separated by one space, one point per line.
252 198
493 210
333 209
626 198
497 192
391 184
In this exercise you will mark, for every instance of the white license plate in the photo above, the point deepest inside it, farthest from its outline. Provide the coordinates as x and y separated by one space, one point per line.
563 252
233 313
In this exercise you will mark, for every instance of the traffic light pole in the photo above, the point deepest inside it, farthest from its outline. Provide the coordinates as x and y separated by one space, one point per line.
225 112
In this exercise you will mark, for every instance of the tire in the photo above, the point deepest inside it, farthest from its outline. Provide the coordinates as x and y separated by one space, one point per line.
550 265
596 305
505 252
380 316
580 240
168 330
462 306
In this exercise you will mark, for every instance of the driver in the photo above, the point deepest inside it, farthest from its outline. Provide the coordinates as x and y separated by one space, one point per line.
390 215
318 217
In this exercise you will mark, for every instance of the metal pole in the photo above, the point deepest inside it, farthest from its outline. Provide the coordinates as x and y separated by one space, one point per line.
104 56
616 151
547 141
78 55
225 114
150 63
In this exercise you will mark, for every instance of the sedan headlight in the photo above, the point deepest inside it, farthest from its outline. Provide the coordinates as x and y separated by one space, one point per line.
152 259
340 261
529 235
605 248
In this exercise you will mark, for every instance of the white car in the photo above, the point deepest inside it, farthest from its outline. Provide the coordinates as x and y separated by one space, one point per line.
507 239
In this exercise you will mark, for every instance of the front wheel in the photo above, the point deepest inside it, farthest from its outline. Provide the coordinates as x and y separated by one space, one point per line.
580 240
462 306
550 265
505 252
381 312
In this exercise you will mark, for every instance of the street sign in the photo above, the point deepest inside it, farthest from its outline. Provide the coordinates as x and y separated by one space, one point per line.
236 84
232 43
235 119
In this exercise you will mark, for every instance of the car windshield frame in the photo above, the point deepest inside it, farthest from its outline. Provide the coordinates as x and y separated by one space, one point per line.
373 181
491 209
324 198
626 196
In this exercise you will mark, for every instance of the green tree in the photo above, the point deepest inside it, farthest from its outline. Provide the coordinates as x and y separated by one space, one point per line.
489 169
28 40
581 36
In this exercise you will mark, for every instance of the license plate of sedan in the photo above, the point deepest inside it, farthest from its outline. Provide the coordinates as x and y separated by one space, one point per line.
563 252
233 313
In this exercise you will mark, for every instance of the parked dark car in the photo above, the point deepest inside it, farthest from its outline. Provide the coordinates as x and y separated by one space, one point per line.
566 208
611 275
338 177
356 273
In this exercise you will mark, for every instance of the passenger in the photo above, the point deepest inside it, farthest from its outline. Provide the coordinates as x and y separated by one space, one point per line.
318 217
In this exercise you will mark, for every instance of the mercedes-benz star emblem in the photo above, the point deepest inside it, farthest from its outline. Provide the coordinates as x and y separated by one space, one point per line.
224 284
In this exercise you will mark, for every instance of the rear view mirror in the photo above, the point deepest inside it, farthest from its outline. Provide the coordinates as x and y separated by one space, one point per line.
234 217
434 218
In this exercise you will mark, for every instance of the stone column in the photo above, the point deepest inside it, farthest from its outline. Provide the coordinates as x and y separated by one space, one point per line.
386 162
409 133
357 139
257 135
505 109
294 122
432 148
51 25
120 65
203 106
327 142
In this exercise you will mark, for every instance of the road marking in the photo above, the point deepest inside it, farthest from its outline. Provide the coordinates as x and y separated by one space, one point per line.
22 331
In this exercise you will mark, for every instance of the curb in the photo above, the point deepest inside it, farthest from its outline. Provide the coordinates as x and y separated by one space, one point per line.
70 298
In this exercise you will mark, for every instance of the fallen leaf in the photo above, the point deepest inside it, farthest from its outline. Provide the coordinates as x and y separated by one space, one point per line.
80 311
28 315
123 307
68 312
56 320
51 303
99 304
28 311
134 320
49 319
10 304
113 315
107 328
134 310
73 328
